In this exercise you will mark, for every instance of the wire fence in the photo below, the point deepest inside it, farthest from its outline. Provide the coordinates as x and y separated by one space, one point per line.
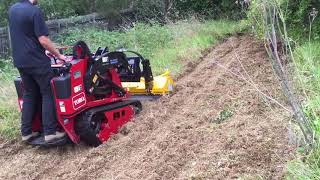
4 42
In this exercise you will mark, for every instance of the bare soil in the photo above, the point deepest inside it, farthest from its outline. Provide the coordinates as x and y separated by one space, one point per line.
216 126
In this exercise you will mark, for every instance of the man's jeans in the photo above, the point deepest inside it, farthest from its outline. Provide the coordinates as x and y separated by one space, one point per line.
36 84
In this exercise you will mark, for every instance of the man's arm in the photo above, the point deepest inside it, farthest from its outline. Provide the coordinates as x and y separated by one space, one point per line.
42 32
49 46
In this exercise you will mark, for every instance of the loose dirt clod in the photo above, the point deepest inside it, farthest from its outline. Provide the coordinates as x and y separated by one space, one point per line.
174 138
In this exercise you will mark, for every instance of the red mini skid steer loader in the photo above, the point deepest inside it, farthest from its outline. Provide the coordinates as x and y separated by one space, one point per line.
90 101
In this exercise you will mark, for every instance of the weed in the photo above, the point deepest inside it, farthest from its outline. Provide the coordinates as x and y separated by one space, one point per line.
223 116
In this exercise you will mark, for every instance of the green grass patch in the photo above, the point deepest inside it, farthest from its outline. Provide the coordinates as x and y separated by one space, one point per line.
223 116
308 72
305 168
167 46
10 122
9 113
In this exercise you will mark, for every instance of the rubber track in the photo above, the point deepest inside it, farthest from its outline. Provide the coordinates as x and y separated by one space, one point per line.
83 124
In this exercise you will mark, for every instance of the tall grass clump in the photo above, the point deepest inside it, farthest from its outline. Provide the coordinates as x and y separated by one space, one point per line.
9 114
307 165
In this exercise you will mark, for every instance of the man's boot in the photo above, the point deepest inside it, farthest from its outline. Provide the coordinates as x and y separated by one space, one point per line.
30 137
54 137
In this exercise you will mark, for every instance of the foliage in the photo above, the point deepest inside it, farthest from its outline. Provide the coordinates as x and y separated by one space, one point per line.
298 18
208 8
306 74
4 4
53 9
149 10
9 120
307 65
156 10
164 45
223 116
298 15
307 169
111 8
255 17
9 116
65 8
181 9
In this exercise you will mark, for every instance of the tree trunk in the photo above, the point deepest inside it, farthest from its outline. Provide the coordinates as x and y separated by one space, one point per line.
93 7
167 8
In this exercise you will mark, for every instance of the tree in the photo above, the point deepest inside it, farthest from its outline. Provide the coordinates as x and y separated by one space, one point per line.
145 10
65 8
53 9
4 4
112 8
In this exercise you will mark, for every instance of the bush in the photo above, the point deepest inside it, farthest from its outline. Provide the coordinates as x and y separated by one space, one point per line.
297 14
53 9
298 18
111 8
146 10
209 8
4 4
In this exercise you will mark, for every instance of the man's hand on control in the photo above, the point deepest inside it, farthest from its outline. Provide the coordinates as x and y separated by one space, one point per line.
49 46
62 57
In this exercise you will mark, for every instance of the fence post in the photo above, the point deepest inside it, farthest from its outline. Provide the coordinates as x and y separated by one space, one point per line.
9 40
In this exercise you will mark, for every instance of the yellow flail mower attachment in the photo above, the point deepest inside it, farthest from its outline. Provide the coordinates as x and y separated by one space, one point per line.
161 85
138 79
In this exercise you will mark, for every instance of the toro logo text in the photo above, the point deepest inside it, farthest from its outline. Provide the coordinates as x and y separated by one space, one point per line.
79 101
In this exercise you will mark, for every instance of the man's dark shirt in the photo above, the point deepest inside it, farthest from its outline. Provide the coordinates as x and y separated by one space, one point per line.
26 25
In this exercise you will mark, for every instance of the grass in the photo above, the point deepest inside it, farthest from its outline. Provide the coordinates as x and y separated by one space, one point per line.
167 46
223 116
305 168
9 114
307 67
